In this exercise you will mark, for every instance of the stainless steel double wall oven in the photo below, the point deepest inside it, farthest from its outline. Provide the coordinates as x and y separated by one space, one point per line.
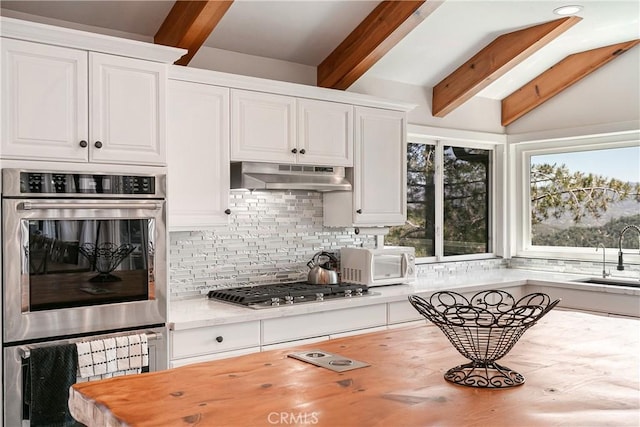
83 256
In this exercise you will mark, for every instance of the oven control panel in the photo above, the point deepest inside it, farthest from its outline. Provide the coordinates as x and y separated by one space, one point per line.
79 183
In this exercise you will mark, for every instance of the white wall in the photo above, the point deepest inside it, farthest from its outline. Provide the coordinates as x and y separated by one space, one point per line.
606 100
226 61
80 27
607 96
478 114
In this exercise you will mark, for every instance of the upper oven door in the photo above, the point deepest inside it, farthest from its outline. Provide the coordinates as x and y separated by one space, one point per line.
76 266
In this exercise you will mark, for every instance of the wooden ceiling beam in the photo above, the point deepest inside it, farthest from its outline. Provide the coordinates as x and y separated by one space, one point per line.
189 23
493 61
382 29
565 73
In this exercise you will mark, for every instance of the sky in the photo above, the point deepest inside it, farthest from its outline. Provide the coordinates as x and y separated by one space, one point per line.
619 163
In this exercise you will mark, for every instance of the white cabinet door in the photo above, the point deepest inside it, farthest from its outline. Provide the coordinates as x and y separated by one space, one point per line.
403 311
44 102
69 105
263 127
198 155
296 343
379 173
212 356
127 110
325 133
187 343
322 323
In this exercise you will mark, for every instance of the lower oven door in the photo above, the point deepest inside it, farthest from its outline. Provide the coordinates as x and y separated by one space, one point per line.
16 369
82 266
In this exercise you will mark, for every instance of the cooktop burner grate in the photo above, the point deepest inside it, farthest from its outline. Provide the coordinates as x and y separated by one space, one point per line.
285 292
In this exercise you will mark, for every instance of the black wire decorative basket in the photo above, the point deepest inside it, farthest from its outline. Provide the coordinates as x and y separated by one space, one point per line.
105 258
483 329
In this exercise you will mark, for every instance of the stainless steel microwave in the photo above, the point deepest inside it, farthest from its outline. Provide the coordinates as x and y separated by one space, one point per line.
390 265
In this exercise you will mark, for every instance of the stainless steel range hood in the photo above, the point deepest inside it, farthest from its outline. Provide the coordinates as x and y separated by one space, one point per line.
270 176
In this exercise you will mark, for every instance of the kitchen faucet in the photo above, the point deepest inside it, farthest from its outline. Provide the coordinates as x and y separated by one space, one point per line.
620 266
604 271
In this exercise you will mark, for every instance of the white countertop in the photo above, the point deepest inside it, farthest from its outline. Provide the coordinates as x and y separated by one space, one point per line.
202 312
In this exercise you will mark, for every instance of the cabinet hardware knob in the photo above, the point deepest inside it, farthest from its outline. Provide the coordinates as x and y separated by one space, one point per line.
227 211
219 339
83 144
98 144
303 151
359 211
294 151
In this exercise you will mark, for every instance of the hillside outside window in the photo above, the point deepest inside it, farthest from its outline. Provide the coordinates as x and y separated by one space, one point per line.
583 198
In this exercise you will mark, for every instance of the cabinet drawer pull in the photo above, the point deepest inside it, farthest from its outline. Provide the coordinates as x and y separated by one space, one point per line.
359 211
98 144
227 211
303 151
294 150
83 144
219 338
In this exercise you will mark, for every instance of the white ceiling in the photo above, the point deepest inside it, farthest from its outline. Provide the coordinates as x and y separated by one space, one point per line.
306 31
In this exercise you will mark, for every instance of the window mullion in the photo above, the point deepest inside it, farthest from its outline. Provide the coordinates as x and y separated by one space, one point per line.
439 200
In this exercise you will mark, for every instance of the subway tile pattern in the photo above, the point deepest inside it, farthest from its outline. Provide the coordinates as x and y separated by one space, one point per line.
439 270
574 266
270 237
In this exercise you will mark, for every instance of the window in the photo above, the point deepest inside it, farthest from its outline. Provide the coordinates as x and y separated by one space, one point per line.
448 212
466 177
579 196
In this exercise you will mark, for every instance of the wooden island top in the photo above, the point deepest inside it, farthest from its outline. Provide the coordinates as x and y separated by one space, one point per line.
580 369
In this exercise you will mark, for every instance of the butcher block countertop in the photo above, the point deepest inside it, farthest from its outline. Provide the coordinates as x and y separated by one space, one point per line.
581 370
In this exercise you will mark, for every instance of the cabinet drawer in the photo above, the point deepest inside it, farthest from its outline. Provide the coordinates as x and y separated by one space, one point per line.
212 356
322 323
214 339
296 343
403 311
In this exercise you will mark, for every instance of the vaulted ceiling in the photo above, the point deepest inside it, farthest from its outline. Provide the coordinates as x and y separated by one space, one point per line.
519 52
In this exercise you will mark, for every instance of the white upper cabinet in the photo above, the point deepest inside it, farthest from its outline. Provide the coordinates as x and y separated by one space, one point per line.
325 133
44 101
263 127
379 173
71 105
198 155
380 178
277 128
127 110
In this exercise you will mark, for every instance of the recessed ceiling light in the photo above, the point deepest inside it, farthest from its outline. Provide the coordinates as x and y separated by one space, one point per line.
568 10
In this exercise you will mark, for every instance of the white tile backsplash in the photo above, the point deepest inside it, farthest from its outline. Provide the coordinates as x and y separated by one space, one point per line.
439 270
270 238
272 235
574 266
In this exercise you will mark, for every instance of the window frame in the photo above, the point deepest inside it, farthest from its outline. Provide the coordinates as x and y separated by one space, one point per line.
495 143
521 160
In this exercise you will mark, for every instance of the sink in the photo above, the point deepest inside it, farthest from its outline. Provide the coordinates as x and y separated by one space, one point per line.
610 281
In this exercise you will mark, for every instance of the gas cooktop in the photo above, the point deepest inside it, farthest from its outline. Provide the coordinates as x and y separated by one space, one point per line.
276 295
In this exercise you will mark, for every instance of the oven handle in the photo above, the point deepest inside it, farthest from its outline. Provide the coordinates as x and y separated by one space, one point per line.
25 351
27 206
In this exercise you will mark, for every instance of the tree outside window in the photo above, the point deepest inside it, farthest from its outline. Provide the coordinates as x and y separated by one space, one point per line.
464 195
584 198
